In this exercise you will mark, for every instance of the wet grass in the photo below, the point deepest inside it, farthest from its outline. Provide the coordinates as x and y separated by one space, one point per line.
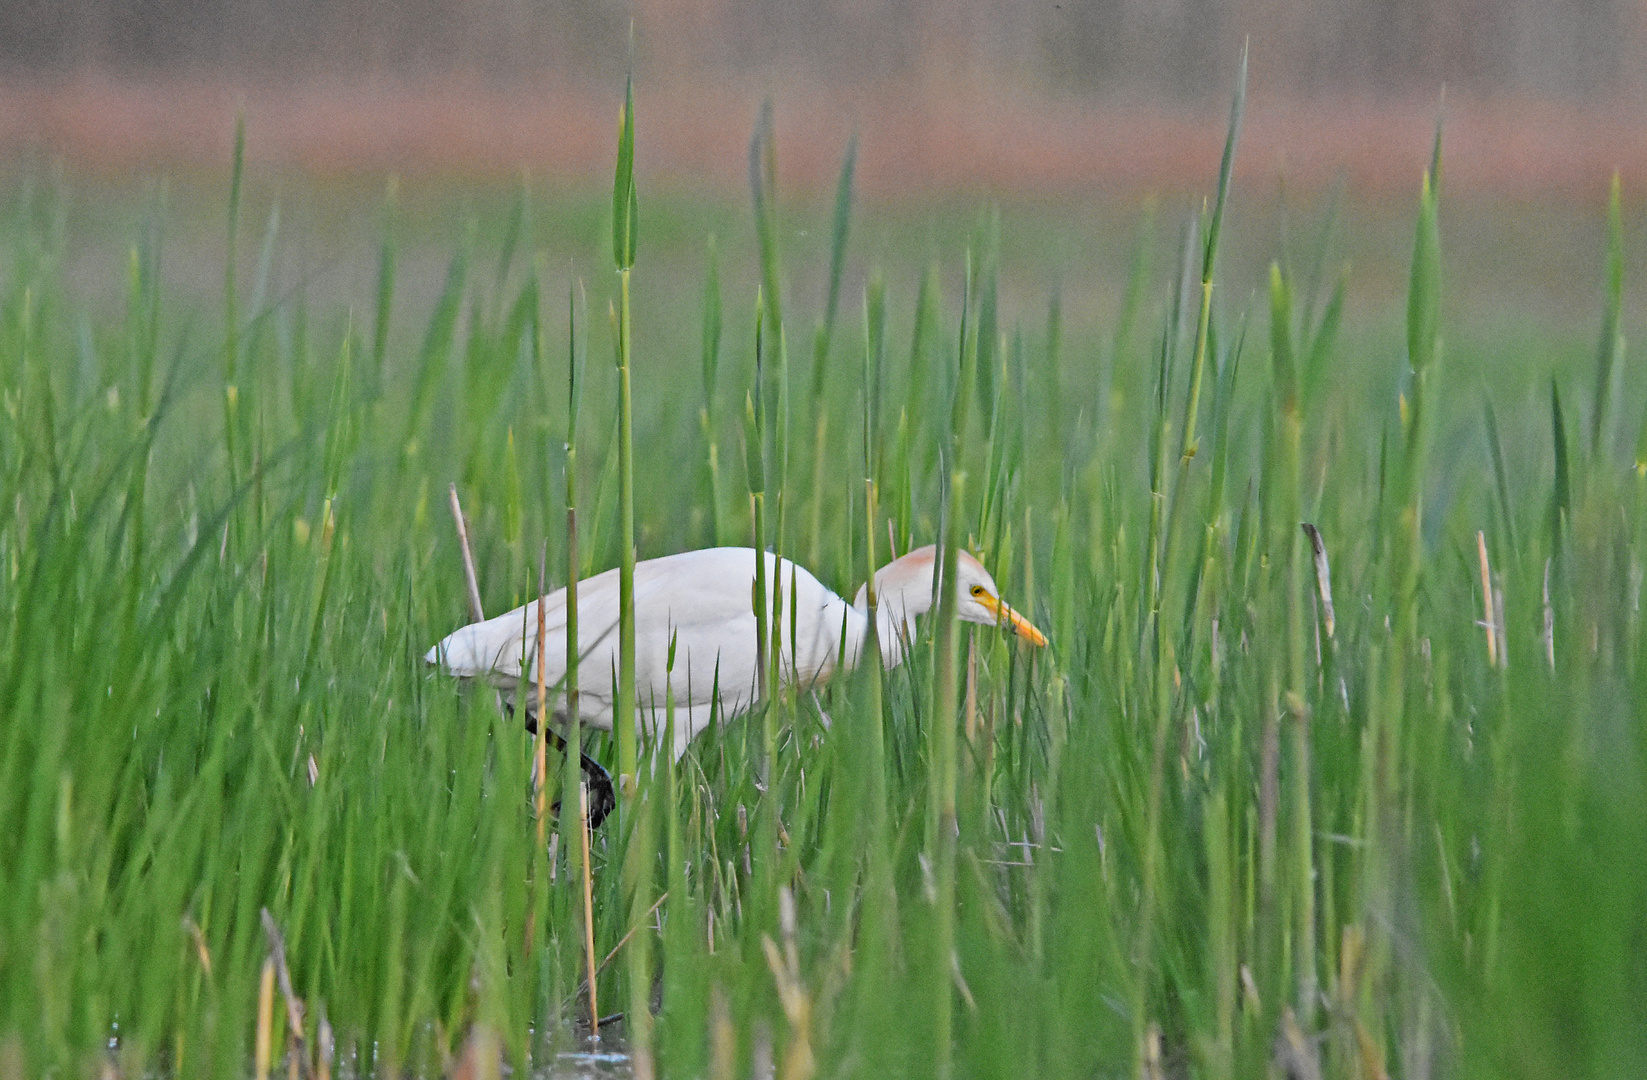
1368 807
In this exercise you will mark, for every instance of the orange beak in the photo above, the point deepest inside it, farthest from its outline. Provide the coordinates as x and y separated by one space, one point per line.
1005 616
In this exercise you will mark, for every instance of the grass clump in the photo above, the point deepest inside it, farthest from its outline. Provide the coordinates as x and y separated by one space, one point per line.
1357 800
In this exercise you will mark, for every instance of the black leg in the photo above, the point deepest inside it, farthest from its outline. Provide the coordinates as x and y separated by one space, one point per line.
603 797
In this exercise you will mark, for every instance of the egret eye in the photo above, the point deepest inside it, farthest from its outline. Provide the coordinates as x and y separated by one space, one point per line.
977 590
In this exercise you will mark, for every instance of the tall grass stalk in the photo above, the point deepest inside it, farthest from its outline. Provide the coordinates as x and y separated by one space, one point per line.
754 440
873 768
578 822
1287 552
231 313
942 820
1162 651
1203 321
625 226
711 366
540 747
763 187
384 308
1610 348
821 341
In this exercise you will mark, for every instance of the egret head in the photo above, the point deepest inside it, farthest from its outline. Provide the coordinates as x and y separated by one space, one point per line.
905 586
980 601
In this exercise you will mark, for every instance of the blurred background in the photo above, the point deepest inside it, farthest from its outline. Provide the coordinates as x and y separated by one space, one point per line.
1091 129
1575 49
1544 96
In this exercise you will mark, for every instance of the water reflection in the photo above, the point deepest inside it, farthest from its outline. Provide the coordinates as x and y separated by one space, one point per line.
590 1059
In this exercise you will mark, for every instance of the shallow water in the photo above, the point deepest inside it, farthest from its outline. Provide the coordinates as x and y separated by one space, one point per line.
602 1058
606 1061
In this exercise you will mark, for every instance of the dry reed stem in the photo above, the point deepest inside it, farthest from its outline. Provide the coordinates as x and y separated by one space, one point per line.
798 1061
971 692
482 1056
469 579
1503 642
325 1048
1152 1053
1295 1054
294 1006
609 957
265 1021
476 611
588 908
1323 575
723 1038
199 938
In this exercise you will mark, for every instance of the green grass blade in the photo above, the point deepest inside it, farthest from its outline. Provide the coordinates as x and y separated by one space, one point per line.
625 222
387 254
1610 349
839 228
1424 286
1501 479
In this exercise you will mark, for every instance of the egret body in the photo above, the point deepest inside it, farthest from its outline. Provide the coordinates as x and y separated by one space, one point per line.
705 600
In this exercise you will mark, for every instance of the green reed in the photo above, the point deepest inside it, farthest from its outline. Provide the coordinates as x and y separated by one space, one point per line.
1212 829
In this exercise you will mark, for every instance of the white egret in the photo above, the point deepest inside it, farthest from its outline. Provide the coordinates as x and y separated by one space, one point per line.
705 600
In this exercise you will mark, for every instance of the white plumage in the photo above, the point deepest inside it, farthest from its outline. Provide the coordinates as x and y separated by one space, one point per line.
705 599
